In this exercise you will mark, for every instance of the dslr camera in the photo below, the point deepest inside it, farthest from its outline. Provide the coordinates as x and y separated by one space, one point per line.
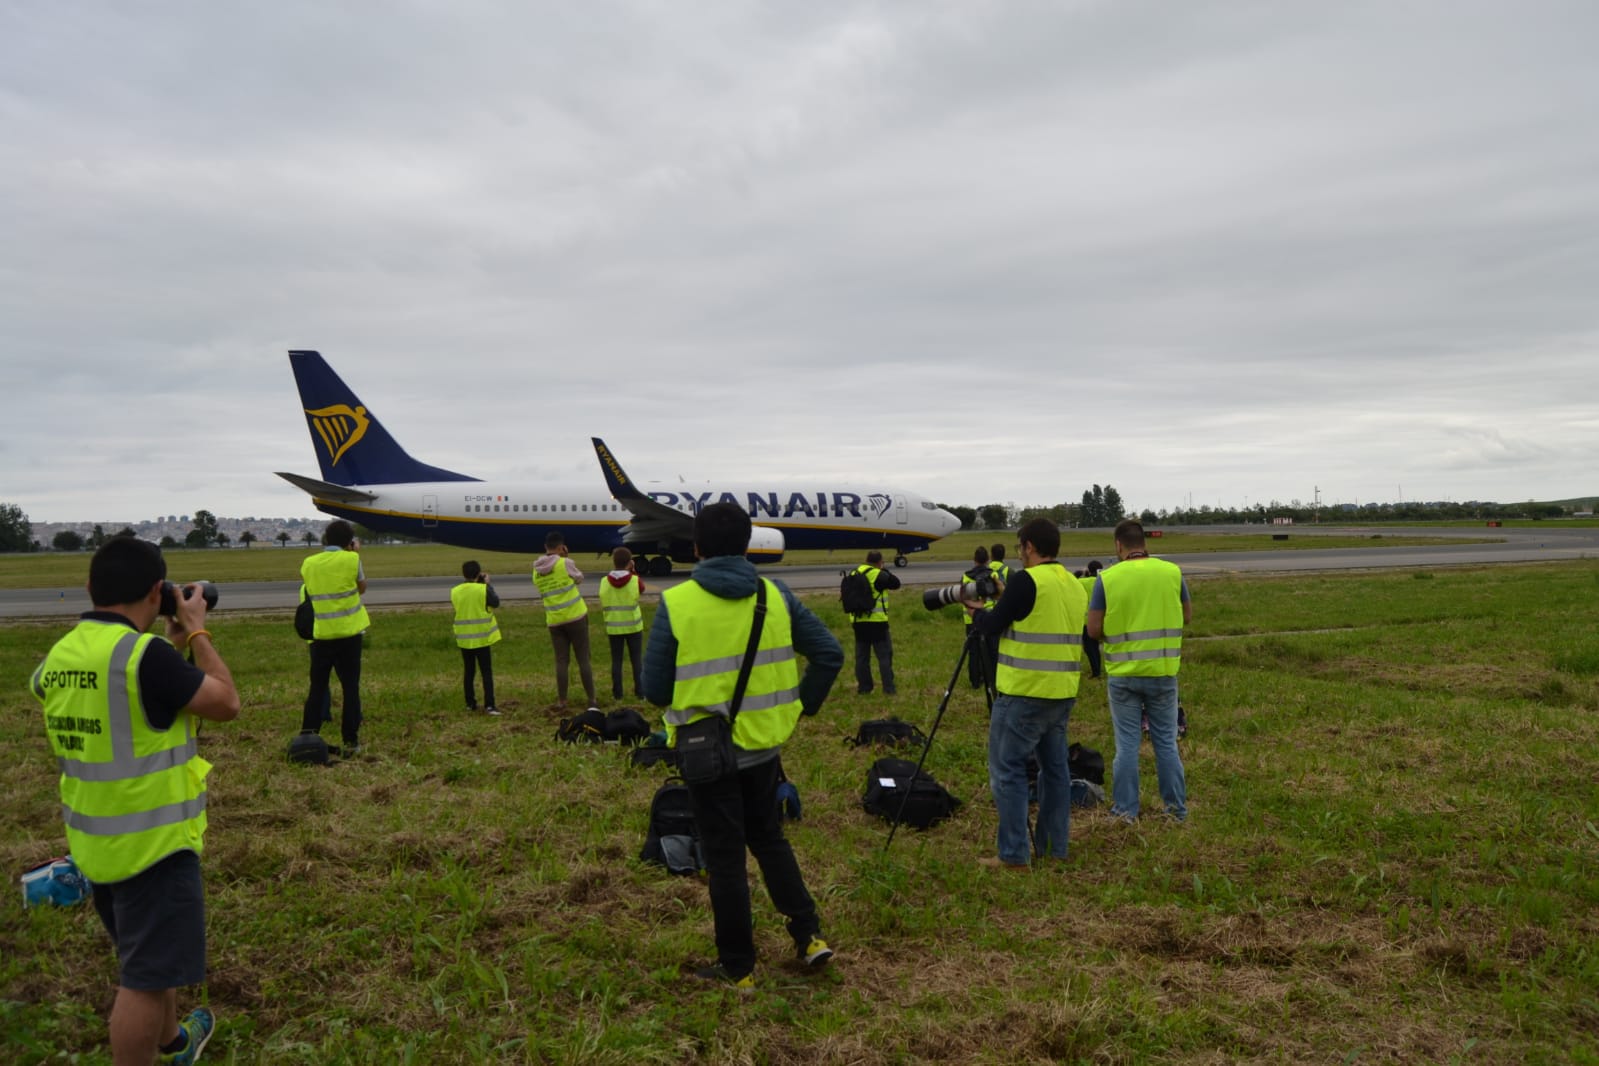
171 592
983 587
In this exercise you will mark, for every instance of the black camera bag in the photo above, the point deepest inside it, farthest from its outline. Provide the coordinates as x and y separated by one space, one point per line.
1086 763
626 726
308 749
890 732
893 782
305 620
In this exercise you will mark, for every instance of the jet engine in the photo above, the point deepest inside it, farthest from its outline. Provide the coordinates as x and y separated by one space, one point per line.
766 545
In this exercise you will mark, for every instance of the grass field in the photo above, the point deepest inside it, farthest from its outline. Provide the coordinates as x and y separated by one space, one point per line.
1392 856
52 569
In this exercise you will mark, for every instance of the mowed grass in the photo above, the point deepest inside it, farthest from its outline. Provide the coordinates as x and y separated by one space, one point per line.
1392 856
269 562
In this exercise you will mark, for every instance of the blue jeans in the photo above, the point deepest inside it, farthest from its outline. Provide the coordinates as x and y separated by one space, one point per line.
1021 726
1131 699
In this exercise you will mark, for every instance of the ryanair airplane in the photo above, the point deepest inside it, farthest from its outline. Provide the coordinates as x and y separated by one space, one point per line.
369 479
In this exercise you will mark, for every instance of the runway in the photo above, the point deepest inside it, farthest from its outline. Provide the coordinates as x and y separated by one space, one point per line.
1518 546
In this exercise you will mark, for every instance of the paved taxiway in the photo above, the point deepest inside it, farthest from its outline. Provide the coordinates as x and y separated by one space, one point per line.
1517 546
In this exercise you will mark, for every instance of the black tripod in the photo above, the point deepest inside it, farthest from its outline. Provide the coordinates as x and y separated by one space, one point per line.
972 647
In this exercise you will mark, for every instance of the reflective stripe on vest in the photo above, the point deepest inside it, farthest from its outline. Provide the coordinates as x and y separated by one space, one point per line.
1039 655
1143 618
712 634
330 581
620 607
130 795
562 599
475 625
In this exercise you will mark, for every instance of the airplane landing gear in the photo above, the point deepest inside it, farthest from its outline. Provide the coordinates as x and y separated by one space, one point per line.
900 560
660 566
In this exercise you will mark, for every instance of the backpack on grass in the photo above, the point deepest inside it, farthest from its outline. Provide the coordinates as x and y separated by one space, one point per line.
891 782
888 731
855 593
308 749
652 755
594 726
587 727
626 725
673 840
1086 763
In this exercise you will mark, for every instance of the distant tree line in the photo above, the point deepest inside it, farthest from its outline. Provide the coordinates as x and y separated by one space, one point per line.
1103 507
1099 507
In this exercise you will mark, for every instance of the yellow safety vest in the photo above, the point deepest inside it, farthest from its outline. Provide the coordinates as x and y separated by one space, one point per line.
330 579
620 607
1039 654
130 795
562 599
712 634
1143 618
879 612
475 626
1000 568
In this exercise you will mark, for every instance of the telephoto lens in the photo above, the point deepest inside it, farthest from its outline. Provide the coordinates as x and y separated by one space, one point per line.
170 592
982 588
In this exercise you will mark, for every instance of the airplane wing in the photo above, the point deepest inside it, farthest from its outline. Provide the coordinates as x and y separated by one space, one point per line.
651 519
326 490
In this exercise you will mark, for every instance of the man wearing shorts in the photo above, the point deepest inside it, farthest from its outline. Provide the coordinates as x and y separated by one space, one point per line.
120 708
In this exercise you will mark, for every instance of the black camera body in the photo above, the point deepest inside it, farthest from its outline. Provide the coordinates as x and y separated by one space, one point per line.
171 592
984 587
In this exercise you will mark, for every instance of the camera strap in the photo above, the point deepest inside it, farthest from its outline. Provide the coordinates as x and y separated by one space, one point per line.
749 651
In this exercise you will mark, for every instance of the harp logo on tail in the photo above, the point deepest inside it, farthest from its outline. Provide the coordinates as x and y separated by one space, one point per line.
340 427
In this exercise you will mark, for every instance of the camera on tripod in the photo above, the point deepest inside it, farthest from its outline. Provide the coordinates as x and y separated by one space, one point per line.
171 592
983 588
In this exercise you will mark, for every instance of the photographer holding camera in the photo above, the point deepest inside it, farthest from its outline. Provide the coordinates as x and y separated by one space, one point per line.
334 580
1039 621
871 629
120 706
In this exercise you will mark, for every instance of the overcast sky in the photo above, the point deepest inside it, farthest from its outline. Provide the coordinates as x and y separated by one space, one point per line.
1219 252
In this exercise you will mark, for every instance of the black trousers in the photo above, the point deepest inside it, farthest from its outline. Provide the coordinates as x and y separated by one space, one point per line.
1091 653
473 660
738 812
343 657
872 638
634 643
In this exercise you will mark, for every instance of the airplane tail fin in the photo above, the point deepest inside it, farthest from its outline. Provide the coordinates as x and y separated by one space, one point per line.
351 445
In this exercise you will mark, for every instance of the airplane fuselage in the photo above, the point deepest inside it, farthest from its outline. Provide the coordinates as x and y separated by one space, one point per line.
493 516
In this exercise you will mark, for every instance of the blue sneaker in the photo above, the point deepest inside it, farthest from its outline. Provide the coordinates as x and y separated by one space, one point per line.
197 1026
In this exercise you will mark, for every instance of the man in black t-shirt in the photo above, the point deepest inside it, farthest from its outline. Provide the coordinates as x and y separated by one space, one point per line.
132 785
